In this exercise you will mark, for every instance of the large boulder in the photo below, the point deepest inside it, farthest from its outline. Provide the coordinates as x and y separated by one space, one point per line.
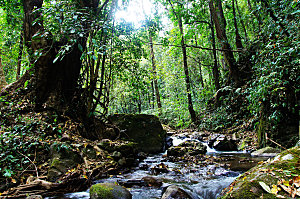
187 148
267 151
146 130
63 158
222 143
109 191
275 178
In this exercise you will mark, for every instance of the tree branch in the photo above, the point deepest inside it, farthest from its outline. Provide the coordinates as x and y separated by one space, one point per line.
202 48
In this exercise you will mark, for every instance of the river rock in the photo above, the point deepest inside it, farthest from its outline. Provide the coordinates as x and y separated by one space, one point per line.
187 148
174 192
273 174
146 130
222 143
34 197
267 151
63 158
109 191
152 182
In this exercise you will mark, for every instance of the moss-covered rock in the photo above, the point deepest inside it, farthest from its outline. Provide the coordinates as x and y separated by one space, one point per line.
109 191
272 172
146 130
63 158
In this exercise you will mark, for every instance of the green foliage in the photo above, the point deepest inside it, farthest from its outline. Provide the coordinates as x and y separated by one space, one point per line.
277 65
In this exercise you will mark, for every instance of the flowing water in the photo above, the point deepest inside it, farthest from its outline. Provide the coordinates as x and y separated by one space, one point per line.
201 182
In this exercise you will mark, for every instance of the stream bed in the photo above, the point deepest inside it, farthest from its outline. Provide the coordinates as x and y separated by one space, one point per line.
202 181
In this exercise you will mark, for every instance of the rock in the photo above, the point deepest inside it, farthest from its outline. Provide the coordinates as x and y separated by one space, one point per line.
132 182
272 173
63 158
224 144
187 148
174 192
90 152
160 168
152 182
267 151
34 197
146 130
169 142
109 191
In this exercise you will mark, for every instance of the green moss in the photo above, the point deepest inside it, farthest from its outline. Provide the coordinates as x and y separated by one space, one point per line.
102 191
247 185
56 162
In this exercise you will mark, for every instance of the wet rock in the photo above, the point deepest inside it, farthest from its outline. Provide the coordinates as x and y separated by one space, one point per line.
197 136
142 155
109 191
160 168
144 167
152 182
146 130
132 183
63 158
224 144
34 197
267 151
169 142
270 173
174 192
187 148
213 138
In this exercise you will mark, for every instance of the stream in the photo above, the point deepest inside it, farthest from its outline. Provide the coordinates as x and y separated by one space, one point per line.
200 181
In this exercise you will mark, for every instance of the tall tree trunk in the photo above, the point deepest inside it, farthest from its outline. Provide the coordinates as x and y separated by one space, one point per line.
241 20
216 73
216 11
20 56
154 74
3 82
54 83
186 71
238 39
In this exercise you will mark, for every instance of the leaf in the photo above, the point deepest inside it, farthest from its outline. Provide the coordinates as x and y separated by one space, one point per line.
265 187
13 181
274 189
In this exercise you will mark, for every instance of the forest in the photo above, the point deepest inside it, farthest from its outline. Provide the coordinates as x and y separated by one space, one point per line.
89 89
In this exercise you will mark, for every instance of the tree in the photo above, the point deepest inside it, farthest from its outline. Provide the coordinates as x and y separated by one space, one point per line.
185 64
57 58
3 82
216 11
151 31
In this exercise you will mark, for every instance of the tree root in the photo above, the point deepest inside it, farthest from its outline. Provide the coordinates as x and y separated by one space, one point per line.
73 183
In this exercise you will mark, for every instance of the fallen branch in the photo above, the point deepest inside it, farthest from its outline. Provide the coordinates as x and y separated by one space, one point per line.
267 138
36 170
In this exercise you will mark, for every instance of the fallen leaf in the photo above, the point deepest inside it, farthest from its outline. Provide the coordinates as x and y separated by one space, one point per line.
265 187
274 189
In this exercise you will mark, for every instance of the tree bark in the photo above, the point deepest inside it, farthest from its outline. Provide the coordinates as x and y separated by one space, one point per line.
215 66
154 73
3 82
238 39
186 71
216 10
20 56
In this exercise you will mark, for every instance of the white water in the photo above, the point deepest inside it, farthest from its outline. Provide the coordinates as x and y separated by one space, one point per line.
202 182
